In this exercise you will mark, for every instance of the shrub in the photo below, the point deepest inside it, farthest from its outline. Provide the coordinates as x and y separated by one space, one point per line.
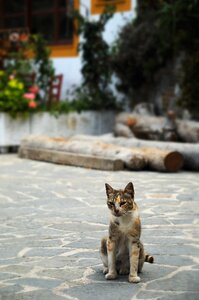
14 98
29 54
95 90
162 31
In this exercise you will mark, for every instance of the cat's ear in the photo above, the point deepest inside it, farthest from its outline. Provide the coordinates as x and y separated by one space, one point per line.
129 189
109 189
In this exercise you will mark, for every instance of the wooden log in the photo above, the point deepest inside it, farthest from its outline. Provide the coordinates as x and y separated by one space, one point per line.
123 130
189 151
163 160
132 158
133 119
144 108
188 131
143 127
71 159
157 159
160 128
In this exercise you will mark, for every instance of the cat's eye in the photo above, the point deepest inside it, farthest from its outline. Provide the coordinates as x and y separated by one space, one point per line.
110 204
122 203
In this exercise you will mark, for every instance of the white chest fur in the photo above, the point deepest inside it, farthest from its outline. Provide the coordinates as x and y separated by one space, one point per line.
125 223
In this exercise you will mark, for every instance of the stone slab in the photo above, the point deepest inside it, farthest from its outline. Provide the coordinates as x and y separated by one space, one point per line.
52 218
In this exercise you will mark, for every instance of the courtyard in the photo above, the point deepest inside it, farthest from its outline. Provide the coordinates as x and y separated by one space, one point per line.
53 218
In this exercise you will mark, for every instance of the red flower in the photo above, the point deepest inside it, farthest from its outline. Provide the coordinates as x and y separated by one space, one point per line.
29 96
32 104
11 77
24 37
34 89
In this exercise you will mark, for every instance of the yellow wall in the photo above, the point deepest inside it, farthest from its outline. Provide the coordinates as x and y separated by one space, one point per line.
97 6
67 50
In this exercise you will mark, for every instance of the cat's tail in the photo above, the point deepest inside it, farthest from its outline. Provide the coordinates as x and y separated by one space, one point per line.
149 259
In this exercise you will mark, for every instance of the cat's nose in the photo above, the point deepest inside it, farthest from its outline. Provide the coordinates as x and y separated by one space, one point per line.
116 210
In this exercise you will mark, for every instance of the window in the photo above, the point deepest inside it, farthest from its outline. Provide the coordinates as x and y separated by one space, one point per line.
97 6
49 17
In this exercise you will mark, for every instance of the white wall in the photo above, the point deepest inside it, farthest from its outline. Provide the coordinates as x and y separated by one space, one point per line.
70 66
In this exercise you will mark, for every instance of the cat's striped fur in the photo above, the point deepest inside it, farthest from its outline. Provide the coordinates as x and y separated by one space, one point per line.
122 251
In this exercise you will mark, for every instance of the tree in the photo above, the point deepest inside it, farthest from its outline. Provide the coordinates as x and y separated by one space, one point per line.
162 31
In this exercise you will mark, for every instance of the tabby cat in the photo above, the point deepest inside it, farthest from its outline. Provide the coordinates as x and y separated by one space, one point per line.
122 251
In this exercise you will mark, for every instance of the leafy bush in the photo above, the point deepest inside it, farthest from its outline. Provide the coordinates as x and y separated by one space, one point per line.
29 54
25 55
95 91
66 106
189 84
43 65
162 31
14 98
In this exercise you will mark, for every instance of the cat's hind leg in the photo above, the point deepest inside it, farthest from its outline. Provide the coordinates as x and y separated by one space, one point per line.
104 255
144 258
141 258
140 264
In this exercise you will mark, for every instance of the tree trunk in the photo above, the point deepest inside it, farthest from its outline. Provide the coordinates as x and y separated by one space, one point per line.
189 151
159 128
143 127
71 159
163 160
156 159
132 158
123 130
188 131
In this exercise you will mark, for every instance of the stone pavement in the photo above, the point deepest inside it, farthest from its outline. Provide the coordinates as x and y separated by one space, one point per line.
52 218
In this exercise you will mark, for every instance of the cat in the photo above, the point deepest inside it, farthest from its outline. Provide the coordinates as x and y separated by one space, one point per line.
122 251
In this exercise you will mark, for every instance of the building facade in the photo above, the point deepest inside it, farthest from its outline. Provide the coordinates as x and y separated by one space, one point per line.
52 18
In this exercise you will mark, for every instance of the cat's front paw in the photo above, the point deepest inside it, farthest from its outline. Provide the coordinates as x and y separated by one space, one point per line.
134 279
110 276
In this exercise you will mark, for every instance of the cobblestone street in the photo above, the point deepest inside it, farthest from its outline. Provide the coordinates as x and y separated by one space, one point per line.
52 218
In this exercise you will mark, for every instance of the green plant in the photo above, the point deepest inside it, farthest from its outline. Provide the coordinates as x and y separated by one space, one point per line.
25 54
42 64
13 96
189 84
162 31
28 54
16 60
67 106
95 91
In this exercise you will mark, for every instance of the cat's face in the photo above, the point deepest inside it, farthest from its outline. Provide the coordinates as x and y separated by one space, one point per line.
120 202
